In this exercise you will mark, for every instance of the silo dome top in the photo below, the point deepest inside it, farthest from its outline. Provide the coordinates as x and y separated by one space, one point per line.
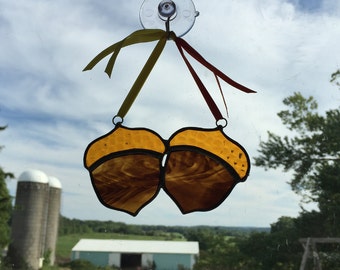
33 176
54 182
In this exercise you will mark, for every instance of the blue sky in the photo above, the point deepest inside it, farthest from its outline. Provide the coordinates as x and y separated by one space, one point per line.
308 5
53 109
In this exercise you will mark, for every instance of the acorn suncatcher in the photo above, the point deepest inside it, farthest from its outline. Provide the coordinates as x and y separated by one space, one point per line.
197 167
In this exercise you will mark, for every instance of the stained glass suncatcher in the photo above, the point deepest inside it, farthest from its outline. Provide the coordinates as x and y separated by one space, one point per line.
197 167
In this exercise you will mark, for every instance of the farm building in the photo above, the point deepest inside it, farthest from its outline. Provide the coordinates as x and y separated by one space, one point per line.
137 254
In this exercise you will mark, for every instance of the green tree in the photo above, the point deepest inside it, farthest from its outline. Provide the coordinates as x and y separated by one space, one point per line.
277 250
5 206
312 152
217 250
314 144
336 77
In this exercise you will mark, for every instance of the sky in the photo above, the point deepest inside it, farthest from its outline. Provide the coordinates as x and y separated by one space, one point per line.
53 110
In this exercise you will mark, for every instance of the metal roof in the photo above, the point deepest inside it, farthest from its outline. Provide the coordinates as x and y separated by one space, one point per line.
33 176
137 246
54 182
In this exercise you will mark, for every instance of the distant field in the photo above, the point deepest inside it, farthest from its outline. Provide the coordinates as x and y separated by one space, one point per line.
67 242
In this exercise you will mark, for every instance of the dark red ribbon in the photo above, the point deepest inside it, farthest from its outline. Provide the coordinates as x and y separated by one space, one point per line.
183 45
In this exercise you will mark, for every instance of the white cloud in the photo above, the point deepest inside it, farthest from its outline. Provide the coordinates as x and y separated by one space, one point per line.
54 110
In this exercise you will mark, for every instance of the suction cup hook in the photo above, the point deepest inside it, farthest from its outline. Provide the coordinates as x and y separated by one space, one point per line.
167 10
178 16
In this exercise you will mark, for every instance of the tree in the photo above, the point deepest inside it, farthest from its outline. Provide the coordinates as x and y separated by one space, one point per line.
335 77
313 145
5 206
218 250
312 152
277 250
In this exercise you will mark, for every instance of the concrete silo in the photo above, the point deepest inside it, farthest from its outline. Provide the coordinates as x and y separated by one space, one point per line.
53 214
29 218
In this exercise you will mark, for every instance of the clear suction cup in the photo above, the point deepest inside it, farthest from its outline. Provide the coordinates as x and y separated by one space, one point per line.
181 14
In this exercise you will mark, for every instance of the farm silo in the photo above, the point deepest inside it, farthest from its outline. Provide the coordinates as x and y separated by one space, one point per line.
29 218
53 213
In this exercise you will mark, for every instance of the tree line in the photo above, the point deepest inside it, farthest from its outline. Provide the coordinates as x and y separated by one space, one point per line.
224 248
76 226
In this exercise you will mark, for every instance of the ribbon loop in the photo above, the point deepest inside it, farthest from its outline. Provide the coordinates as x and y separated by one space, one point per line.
143 75
208 99
140 36
190 50
148 35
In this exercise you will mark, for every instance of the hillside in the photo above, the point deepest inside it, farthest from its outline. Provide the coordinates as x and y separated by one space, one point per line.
72 230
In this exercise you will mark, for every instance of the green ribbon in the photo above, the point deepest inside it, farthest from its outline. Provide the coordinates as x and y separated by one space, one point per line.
149 35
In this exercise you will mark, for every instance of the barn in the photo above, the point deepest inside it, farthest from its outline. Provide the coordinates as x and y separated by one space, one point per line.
137 254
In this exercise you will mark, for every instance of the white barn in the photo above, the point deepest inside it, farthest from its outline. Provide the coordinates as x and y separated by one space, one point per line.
137 254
